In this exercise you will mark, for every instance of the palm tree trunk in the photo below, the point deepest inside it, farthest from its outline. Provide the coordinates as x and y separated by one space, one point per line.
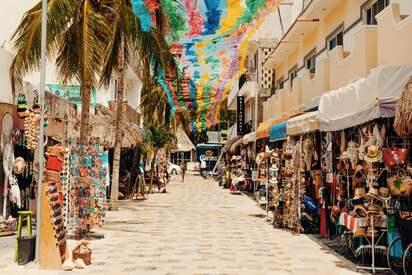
85 117
114 195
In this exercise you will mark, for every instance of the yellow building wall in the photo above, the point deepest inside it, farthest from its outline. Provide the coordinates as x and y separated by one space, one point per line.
392 26
388 43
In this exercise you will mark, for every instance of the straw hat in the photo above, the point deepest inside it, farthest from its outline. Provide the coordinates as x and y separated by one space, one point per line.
373 193
373 209
18 165
236 158
273 180
275 154
274 167
374 154
360 211
359 193
58 138
384 193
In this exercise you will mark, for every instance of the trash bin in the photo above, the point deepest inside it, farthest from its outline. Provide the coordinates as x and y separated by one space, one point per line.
27 250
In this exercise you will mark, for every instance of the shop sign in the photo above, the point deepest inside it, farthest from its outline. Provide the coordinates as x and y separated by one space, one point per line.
72 93
208 156
240 115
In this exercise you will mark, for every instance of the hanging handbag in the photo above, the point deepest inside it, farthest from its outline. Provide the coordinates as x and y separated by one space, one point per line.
400 185
395 156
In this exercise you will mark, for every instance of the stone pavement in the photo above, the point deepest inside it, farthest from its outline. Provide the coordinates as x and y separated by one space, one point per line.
197 228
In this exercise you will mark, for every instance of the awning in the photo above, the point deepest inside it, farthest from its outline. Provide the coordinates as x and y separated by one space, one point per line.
232 148
308 122
364 100
278 131
264 128
249 138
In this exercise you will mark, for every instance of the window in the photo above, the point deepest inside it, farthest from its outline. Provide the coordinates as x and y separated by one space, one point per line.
371 9
293 73
310 61
253 63
279 84
335 39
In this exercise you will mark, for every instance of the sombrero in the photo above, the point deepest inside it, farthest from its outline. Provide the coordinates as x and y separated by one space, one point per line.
273 180
360 211
18 165
274 167
384 193
373 193
359 193
374 154
372 209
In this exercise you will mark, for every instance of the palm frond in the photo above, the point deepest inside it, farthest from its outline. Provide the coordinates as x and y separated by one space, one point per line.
27 37
83 52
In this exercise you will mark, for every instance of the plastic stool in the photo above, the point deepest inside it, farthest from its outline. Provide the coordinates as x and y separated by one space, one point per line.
23 216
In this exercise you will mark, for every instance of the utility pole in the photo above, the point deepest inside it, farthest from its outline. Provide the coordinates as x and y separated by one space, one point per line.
41 130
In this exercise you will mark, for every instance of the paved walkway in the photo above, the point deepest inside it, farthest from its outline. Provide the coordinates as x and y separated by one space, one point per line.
199 228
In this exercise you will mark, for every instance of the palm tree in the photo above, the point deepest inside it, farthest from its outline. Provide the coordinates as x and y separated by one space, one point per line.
157 136
78 33
145 51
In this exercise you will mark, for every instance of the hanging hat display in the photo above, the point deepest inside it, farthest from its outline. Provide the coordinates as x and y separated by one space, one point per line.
21 106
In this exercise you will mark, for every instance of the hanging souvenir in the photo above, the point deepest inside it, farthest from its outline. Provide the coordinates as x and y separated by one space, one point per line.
22 111
36 105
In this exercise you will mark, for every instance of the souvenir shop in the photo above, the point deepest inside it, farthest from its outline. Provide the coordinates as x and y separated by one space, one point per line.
75 177
344 172
239 163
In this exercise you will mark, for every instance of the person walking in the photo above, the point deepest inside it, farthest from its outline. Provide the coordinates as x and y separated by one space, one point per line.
203 167
183 167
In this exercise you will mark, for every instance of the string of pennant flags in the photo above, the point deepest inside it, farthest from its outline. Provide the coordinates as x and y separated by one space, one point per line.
210 41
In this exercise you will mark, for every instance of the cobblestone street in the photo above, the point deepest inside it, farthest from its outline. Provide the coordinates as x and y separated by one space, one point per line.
198 228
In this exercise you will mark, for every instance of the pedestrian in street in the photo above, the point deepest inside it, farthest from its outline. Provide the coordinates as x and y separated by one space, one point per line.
142 184
183 166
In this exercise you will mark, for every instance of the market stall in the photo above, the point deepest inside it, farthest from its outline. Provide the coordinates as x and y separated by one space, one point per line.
366 169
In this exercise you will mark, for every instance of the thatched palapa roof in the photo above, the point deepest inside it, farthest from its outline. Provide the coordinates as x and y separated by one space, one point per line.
403 115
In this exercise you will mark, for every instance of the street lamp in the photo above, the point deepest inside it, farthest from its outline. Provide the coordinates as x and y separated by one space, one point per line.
41 130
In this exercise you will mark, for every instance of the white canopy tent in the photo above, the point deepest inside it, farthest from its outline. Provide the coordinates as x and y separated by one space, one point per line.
305 123
363 100
249 138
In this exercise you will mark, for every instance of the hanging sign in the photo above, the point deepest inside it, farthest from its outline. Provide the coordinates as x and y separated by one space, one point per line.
240 115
